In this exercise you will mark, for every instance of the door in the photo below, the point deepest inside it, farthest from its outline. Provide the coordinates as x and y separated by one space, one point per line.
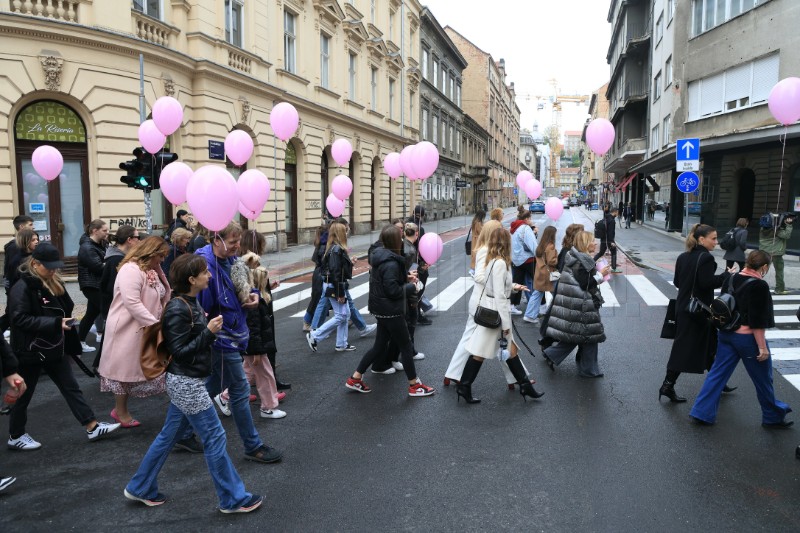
290 194
351 211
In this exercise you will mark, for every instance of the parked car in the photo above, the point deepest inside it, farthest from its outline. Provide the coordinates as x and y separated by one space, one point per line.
595 206
573 202
537 207
694 208
565 203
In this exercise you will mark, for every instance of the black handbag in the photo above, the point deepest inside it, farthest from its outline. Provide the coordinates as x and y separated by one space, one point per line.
696 308
468 243
488 318
670 327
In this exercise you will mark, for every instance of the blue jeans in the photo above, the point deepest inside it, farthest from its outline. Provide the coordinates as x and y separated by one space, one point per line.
324 306
229 486
338 322
228 373
732 347
534 303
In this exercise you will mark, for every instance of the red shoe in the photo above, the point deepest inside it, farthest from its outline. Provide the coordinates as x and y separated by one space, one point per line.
357 385
132 424
253 398
510 386
281 396
419 389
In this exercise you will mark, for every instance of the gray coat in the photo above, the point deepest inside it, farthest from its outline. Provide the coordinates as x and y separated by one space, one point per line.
575 314
737 254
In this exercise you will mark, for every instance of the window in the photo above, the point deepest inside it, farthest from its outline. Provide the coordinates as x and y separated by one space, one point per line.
660 28
391 25
374 85
444 79
391 98
668 72
425 64
452 88
458 95
670 9
290 42
424 124
710 13
657 86
458 144
410 109
233 22
435 73
737 88
324 60
352 72
435 131
452 138
667 130
654 140
148 7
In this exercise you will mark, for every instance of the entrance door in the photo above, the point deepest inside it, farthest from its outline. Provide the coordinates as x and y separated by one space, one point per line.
290 198
375 199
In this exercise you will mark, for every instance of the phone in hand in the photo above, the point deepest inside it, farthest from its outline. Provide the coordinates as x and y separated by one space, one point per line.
71 322
414 267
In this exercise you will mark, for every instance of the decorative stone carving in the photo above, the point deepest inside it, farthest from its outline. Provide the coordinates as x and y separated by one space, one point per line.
357 147
169 87
52 66
245 110
331 135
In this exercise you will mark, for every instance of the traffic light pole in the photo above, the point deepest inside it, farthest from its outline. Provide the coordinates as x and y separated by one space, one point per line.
148 203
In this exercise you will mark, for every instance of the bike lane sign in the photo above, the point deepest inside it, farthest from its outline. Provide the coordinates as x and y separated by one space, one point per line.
687 182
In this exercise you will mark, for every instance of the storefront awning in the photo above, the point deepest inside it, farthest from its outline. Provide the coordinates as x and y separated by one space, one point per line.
626 181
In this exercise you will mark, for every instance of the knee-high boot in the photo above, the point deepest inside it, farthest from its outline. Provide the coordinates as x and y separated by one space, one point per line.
525 386
464 387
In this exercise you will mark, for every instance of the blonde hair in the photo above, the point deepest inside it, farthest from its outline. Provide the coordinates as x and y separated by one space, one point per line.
499 246
144 251
337 234
261 282
55 285
496 214
483 236
582 241
179 234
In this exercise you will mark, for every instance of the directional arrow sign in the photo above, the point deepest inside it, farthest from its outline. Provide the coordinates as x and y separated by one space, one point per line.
687 154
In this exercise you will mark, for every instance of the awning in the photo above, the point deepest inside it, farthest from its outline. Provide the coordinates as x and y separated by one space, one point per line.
627 181
656 186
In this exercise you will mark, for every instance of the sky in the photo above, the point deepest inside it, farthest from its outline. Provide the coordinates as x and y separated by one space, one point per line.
540 40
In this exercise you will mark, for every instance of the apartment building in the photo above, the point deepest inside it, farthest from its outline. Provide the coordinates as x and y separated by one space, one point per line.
475 157
594 178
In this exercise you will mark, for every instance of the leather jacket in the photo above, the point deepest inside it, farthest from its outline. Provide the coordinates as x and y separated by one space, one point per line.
338 270
187 338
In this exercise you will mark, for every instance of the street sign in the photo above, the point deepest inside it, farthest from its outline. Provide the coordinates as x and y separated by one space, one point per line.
687 155
216 150
462 184
687 182
516 191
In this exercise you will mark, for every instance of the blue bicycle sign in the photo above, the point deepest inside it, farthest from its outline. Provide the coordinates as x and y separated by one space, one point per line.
687 182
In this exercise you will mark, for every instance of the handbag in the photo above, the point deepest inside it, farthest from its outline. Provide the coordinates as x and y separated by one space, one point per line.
468 243
154 358
555 275
670 327
485 316
696 308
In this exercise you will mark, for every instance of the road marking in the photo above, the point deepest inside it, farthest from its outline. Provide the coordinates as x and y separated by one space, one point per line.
609 299
785 354
292 299
365 310
284 286
649 292
445 299
784 307
786 319
782 334
794 379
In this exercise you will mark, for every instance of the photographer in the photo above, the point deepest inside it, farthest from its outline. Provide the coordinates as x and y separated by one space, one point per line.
775 232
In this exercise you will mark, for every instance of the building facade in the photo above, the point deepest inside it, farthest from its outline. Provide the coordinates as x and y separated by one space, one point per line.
441 117
528 158
71 79
491 103
475 176
595 178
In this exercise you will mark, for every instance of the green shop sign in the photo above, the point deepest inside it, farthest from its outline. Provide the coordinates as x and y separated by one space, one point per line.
51 122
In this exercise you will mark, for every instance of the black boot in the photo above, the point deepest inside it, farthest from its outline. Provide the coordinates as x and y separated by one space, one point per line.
668 389
278 383
464 387
525 386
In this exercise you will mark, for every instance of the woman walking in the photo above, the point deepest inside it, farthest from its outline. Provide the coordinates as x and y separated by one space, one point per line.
546 261
575 313
26 240
140 294
90 272
523 260
188 337
320 241
747 344
485 343
389 288
695 338
472 235
337 272
736 254
42 335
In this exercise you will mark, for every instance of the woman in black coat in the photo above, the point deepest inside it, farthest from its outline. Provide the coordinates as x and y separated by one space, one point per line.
91 255
696 339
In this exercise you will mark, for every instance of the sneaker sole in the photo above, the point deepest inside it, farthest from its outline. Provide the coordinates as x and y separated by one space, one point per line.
7 483
384 372
357 389
24 448
244 509
103 435
311 343
149 503
265 461
272 416
420 394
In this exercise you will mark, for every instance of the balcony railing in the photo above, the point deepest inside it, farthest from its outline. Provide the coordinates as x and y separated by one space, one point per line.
636 89
152 30
62 10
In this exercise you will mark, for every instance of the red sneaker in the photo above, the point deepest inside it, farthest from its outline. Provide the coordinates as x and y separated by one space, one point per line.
357 385
253 398
281 396
419 389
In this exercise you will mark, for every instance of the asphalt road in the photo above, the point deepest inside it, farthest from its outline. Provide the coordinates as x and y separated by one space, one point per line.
591 455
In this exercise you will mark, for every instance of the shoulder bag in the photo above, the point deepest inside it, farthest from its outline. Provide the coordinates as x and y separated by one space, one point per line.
696 308
485 316
669 329
468 243
154 357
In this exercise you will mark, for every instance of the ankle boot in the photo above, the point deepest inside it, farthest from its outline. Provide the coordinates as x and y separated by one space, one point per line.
464 387
668 389
525 386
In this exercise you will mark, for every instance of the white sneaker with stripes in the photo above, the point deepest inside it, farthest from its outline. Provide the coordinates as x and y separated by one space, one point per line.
102 429
24 442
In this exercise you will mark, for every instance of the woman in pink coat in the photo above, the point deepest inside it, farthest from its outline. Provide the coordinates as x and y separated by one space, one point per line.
141 292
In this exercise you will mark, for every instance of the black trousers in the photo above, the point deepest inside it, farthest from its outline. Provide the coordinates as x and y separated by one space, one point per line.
600 253
94 306
316 292
518 275
392 352
394 329
60 373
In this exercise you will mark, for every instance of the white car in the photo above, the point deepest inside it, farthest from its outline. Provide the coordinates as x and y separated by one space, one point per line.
565 203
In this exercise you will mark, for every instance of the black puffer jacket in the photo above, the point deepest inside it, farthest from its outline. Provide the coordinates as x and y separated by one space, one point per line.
337 269
262 330
187 337
113 258
36 332
8 362
388 289
90 264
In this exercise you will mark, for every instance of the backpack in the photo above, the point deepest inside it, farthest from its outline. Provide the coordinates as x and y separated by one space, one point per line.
600 228
765 221
729 240
723 312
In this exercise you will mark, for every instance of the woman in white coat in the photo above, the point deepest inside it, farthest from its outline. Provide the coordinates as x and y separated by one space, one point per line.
484 342
460 356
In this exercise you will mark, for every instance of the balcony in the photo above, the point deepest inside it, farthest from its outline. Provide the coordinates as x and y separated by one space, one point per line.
633 92
629 153
60 10
634 39
153 30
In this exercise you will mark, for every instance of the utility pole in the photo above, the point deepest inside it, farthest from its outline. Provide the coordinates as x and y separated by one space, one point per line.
148 203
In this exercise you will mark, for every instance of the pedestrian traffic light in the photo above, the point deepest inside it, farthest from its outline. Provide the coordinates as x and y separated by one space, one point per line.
160 160
138 170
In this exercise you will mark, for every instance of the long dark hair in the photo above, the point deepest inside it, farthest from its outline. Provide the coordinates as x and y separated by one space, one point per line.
392 239
697 231
548 237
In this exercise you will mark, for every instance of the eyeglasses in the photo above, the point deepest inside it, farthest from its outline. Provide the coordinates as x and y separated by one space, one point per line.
134 237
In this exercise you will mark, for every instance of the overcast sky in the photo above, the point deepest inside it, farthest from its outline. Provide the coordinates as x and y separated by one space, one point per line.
540 40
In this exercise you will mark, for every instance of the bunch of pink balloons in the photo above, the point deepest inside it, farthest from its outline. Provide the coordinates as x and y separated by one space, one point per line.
531 186
784 101
213 197
430 247
47 161
600 135
417 162
284 120
553 208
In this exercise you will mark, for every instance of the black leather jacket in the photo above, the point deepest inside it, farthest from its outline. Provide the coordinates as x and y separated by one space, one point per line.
90 264
187 337
337 270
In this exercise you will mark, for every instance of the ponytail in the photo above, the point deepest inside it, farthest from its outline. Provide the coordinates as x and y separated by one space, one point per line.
695 232
523 212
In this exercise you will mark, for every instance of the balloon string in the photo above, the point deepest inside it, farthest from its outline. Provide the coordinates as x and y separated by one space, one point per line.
782 138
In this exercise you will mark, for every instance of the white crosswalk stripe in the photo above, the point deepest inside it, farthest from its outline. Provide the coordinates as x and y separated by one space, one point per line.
608 296
647 290
453 293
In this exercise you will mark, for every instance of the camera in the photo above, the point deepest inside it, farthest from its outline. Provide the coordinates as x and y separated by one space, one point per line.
785 218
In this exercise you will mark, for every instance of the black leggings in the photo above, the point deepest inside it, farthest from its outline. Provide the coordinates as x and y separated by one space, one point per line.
94 306
518 275
394 329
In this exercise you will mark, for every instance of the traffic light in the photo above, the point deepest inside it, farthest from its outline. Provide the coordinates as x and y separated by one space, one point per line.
138 170
160 160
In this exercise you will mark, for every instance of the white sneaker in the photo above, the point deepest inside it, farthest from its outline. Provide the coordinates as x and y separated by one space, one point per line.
93 329
530 320
390 370
7 334
419 356
98 338
86 348
272 413
24 442
222 403
367 330
102 429
515 311
397 365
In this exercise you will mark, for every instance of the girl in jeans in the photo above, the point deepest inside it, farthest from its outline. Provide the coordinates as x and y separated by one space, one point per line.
188 337
337 271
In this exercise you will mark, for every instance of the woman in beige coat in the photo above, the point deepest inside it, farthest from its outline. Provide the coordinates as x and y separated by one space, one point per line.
140 293
546 260
486 342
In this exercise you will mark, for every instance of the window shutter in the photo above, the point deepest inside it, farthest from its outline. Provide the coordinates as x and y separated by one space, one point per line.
711 95
765 76
694 100
737 83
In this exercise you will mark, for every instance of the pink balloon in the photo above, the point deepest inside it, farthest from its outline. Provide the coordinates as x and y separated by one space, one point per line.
406 157
248 213
238 147
391 164
533 189
341 150
212 197
523 178
553 208
342 186
600 135
284 120
47 161
151 138
174 180
425 160
167 115
253 187
334 205
784 101
430 247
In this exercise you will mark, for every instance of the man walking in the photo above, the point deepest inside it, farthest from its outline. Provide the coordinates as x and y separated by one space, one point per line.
627 214
772 240
607 240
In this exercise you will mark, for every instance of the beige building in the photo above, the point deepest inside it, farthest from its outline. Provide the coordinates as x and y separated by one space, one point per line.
70 78
491 103
597 182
